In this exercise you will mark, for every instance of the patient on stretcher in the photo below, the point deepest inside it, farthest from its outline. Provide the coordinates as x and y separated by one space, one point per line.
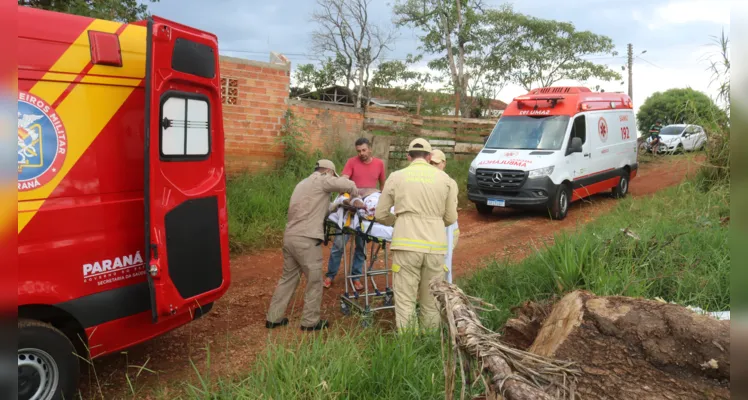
358 214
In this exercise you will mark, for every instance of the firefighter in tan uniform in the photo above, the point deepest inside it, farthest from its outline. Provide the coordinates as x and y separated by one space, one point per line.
302 250
425 201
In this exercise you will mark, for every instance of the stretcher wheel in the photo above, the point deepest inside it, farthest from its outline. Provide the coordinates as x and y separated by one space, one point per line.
388 300
366 319
344 308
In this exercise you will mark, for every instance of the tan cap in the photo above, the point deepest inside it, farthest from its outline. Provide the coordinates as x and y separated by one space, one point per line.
420 145
327 164
438 156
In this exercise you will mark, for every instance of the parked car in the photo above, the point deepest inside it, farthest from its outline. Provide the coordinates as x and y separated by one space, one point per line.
679 138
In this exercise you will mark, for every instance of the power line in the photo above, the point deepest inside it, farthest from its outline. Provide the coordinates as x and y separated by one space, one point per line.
316 56
650 63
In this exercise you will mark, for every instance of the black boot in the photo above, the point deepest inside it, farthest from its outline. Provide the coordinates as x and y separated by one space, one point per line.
322 324
271 325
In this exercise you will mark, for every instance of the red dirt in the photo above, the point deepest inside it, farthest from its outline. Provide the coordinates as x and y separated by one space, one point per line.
234 330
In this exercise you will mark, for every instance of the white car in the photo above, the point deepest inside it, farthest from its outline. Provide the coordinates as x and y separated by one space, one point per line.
680 137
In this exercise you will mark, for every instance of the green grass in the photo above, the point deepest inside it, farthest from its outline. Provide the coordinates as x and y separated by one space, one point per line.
681 256
458 170
258 202
354 365
258 207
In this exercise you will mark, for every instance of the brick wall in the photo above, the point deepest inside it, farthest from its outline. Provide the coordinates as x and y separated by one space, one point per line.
255 96
327 125
255 100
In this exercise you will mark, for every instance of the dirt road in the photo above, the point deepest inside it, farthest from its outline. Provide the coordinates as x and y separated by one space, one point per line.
234 330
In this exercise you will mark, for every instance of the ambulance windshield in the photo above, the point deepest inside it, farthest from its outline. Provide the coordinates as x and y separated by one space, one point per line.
529 133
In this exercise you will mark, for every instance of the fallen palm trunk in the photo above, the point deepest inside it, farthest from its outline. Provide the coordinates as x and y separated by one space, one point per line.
630 348
515 374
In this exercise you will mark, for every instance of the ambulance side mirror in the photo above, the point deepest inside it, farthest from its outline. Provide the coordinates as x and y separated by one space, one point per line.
485 140
575 146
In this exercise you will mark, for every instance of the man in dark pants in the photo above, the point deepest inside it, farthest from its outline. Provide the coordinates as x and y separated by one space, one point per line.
302 250
365 171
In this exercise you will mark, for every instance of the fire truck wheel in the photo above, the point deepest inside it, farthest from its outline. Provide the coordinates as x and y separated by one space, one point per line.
47 365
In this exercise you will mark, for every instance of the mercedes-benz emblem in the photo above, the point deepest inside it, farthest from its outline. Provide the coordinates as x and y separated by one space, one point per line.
497 177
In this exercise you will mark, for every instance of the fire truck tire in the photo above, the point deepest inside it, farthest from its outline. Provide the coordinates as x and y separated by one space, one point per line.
47 365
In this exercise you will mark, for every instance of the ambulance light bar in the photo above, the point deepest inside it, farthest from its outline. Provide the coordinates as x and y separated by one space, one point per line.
530 98
552 99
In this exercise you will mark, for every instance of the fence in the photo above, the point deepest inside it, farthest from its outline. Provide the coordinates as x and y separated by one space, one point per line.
456 137
255 100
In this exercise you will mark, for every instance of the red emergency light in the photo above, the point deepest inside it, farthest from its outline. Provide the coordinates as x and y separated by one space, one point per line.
553 100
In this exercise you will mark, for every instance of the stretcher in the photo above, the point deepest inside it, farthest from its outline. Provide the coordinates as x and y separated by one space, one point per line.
376 238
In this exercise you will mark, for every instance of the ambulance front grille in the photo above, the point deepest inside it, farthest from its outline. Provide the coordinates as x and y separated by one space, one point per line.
509 179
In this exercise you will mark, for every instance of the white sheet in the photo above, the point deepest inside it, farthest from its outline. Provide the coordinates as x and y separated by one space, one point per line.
360 220
378 230
451 243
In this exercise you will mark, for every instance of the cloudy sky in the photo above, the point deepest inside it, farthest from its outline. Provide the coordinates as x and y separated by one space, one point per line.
676 34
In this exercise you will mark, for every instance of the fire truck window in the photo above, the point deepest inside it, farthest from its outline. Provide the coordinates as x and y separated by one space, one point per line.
172 134
197 127
185 127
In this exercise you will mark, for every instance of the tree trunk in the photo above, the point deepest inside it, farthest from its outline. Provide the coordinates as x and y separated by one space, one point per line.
465 103
630 348
360 87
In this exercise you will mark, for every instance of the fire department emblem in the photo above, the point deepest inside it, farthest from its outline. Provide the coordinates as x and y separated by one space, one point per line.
42 142
602 129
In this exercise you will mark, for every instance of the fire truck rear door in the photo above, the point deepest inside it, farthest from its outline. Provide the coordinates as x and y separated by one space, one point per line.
186 227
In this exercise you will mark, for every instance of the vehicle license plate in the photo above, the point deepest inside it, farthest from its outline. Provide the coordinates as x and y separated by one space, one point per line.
496 203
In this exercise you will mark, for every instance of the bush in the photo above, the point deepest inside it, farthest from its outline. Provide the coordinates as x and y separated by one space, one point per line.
676 106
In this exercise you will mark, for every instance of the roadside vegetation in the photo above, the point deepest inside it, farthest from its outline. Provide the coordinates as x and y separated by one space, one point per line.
672 245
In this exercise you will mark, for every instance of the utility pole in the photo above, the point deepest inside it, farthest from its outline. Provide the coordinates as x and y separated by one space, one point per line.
631 75
459 85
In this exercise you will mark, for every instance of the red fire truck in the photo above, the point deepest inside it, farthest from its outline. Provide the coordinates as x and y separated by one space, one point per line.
122 224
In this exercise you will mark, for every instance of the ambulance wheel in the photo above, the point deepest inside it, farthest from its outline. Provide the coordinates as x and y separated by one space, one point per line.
484 209
622 189
47 365
561 202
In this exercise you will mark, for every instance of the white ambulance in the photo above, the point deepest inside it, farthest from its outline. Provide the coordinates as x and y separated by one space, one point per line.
553 146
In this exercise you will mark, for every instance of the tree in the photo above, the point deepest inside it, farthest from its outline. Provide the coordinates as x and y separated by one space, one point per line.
493 57
310 78
678 106
449 31
113 10
549 51
345 32
394 73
